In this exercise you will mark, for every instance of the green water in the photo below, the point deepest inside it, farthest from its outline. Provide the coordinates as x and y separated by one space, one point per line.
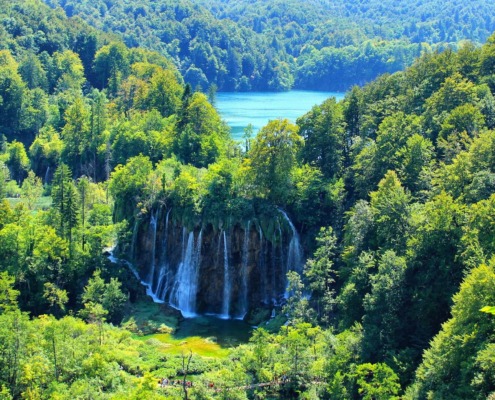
227 333
257 108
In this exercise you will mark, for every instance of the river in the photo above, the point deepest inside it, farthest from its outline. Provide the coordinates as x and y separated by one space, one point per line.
239 109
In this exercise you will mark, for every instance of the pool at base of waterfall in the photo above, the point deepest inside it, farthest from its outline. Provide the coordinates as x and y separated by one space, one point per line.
227 333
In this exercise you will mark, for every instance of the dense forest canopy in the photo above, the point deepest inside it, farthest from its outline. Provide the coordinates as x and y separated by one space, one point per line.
278 45
392 192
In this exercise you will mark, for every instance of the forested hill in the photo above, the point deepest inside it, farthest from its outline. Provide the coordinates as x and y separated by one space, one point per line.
277 45
419 21
390 193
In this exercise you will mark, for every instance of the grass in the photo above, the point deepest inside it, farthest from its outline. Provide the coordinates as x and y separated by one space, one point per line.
44 202
205 336
203 347
151 321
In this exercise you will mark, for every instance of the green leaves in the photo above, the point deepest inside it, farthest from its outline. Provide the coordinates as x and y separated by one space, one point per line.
377 382
100 298
272 157
8 295
488 310
451 366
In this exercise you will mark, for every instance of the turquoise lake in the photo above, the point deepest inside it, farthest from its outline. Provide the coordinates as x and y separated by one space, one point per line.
257 108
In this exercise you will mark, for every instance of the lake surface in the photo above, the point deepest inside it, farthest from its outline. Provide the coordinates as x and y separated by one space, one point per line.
257 108
227 333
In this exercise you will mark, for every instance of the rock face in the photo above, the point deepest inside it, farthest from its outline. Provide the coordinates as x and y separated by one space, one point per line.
209 270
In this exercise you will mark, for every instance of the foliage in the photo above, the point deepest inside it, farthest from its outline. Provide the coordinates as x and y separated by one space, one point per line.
272 158
277 45
455 365
400 175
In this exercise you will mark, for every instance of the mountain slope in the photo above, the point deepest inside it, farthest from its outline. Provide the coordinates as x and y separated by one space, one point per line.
276 45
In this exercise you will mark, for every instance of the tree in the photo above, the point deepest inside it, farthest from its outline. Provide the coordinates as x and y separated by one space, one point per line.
107 295
34 112
390 207
82 186
33 73
435 270
111 66
45 153
201 136
98 124
128 184
323 132
4 177
357 284
272 157
247 136
454 92
377 382
417 164
57 298
65 201
382 323
455 365
320 272
353 111
11 94
32 189
77 136
297 308
18 161
8 295
164 93
67 73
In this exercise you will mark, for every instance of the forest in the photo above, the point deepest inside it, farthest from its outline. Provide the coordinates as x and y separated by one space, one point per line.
279 45
105 148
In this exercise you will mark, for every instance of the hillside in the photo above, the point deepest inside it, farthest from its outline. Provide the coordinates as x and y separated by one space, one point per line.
277 45
119 182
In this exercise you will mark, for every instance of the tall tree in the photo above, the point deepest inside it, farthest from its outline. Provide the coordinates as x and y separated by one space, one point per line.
272 157
323 132
320 273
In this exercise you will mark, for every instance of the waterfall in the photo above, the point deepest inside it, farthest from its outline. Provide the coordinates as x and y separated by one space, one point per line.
295 254
47 175
150 280
262 267
278 257
163 283
115 260
161 289
163 255
243 297
153 225
227 284
186 281
224 282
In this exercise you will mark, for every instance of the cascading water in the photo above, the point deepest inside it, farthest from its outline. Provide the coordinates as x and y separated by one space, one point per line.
230 272
134 238
185 290
151 276
47 175
295 254
162 289
263 269
227 284
243 298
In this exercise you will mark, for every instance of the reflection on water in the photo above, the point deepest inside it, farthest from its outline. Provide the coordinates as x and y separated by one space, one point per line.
227 333
257 108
